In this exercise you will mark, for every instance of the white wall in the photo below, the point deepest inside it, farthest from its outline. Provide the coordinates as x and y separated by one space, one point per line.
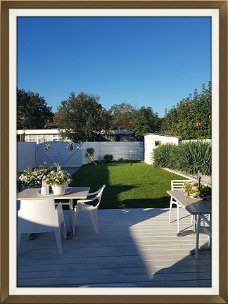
31 154
26 155
126 150
150 145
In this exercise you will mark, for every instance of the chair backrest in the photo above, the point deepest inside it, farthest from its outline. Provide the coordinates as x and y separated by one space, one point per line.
179 184
37 215
99 195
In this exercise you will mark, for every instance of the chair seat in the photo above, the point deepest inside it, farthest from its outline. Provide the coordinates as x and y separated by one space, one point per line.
38 216
91 209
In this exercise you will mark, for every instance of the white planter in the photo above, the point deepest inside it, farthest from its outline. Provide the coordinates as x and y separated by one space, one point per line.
58 190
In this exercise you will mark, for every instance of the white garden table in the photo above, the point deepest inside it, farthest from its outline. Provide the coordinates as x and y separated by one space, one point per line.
197 207
71 194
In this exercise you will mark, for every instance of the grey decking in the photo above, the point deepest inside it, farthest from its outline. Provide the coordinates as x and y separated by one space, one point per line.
135 248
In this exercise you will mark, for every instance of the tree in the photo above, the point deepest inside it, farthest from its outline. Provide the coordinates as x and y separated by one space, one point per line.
122 116
191 117
145 121
82 118
32 110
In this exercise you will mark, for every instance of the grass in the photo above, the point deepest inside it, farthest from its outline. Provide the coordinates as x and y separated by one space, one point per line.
128 185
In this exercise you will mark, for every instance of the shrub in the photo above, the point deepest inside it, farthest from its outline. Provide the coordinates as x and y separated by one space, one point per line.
166 156
188 157
108 157
89 151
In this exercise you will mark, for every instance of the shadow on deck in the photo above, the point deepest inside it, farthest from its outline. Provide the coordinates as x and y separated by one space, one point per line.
135 248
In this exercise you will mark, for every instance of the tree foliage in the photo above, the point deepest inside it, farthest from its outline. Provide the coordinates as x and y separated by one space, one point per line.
32 110
145 121
141 121
122 116
191 117
82 118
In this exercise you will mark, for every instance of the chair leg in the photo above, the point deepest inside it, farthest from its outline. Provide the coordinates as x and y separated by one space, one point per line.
63 226
178 219
95 215
93 221
62 223
58 240
75 218
170 209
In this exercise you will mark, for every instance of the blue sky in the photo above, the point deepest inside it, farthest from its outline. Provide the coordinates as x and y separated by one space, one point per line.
145 61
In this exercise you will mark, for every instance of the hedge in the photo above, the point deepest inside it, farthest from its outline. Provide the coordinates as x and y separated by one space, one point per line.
188 157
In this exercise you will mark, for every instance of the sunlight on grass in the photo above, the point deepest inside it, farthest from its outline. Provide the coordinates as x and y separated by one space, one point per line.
135 185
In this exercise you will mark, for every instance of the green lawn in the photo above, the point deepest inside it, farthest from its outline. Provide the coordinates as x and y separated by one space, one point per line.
135 185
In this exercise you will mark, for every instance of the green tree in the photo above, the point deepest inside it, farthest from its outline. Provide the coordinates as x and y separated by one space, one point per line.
122 116
145 121
191 117
82 118
32 110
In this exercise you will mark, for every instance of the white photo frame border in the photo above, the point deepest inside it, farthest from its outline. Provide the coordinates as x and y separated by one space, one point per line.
13 15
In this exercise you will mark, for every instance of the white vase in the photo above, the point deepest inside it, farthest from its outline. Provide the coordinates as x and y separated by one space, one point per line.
58 189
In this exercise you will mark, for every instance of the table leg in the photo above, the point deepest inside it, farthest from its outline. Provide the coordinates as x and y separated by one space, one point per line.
198 219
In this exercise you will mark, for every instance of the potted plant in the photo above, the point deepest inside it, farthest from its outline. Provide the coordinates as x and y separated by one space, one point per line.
194 190
191 189
32 177
58 180
205 192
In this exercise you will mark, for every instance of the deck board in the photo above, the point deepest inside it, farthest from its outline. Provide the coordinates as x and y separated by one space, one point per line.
135 248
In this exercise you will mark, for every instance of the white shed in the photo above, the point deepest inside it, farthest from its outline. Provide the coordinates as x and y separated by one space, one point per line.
152 141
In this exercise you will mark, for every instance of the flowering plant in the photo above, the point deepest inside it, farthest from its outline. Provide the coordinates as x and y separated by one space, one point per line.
57 178
193 190
32 177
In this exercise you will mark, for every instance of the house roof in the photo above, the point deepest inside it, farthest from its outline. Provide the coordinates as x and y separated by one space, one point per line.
164 135
120 132
39 131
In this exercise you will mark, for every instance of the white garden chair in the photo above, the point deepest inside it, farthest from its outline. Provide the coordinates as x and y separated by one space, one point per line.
38 216
177 185
82 205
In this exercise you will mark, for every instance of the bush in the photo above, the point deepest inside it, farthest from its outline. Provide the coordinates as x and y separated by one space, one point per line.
108 157
188 157
166 156
89 151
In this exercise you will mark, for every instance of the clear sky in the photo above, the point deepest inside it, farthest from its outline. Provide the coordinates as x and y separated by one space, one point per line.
145 61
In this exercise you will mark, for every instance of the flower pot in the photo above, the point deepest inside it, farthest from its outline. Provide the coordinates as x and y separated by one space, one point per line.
58 189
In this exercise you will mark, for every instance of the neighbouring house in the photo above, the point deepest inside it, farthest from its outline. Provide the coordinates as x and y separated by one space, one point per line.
43 135
151 141
119 135
39 135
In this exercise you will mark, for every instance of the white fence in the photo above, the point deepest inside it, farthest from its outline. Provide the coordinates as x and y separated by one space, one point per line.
30 154
26 155
195 140
68 154
126 150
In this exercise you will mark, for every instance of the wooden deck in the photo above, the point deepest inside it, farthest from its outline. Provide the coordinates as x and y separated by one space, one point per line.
135 248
